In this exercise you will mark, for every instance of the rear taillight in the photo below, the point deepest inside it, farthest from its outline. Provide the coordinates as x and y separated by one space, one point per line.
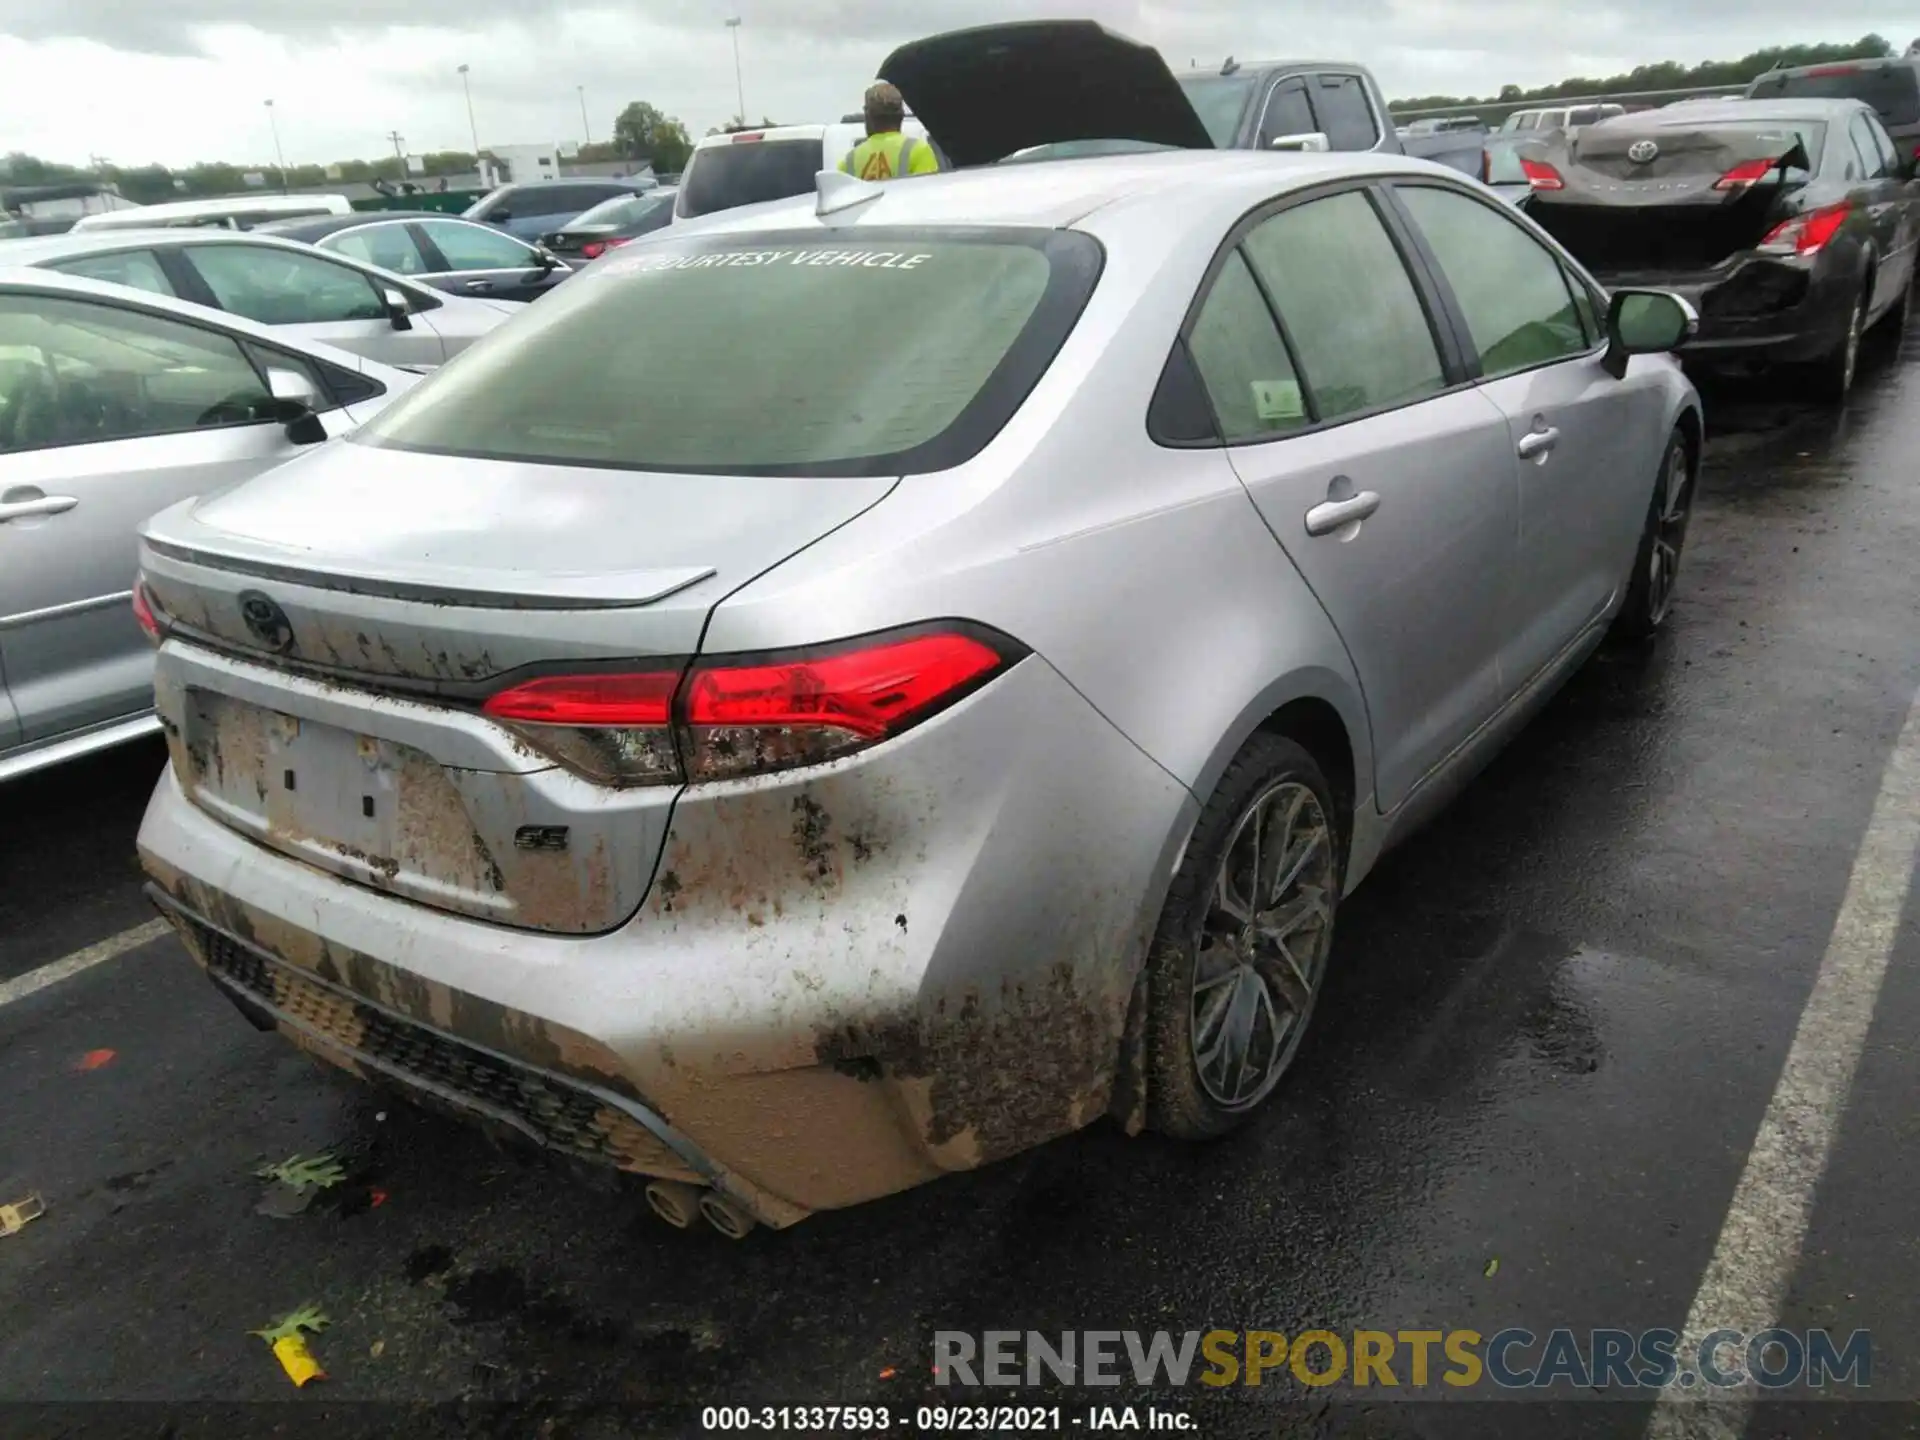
1748 172
1805 234
615 728
1486 168
594 249
143 614
1834 70
1542 176
727 718
743 719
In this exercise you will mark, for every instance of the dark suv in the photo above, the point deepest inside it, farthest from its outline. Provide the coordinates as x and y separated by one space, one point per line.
1891 87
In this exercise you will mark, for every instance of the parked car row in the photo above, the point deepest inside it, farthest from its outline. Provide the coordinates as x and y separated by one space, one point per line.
648 736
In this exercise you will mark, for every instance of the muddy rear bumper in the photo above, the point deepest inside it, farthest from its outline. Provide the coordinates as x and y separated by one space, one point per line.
844 982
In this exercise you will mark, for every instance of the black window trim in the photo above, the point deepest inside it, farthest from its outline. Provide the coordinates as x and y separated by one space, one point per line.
1443 289
244 344
1453 370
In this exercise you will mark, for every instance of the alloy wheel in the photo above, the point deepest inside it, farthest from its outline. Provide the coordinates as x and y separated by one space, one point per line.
1675 506
1263 945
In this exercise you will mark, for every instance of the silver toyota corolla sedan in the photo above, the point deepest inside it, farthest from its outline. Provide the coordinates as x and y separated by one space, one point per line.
856 688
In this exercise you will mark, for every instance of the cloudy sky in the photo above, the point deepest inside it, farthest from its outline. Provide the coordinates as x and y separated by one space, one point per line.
183 80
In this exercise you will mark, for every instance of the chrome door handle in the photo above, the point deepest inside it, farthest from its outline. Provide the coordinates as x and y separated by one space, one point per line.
1332 515
43 505
480 286
1538 443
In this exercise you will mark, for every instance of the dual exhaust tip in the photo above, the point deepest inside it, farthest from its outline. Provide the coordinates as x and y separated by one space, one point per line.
680 1204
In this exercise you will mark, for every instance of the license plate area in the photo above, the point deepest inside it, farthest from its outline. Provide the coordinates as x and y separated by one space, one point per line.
368 808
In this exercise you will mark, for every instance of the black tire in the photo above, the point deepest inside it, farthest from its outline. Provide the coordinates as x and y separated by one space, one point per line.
1663 539
1890 327
1279 774
1834 374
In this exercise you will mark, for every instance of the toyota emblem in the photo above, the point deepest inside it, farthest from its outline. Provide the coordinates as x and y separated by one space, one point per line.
266 621
1641 151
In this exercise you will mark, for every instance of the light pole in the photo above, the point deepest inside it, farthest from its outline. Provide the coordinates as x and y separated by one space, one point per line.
740 89
278 153
585 125
472 129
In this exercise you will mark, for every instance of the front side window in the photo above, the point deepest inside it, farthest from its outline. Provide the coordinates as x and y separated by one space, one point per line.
1872 166
1242 360
1345 116
474 247
887 353
285 287
77 372
1287 113
1350 308
388 247
1883 142
1508 285
138 268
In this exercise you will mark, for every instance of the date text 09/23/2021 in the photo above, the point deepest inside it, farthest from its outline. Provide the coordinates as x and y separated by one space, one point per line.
943 1419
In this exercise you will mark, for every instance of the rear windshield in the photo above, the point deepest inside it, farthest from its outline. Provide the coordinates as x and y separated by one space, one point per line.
621 210
780 354
1219 101
747 172
1890 89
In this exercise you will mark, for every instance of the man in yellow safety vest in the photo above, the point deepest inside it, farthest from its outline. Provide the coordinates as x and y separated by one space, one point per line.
886 154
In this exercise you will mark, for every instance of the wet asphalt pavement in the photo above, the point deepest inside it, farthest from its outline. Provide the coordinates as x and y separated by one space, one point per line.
1554 1022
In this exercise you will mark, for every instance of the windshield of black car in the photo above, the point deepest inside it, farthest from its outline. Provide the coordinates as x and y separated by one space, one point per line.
747 171
895 352
1219 101
1890 89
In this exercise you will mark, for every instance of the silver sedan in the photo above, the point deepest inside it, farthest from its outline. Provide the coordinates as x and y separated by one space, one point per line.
115 403
857 687
310 296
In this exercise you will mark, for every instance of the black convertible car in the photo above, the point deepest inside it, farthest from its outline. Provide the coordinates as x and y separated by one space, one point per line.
1790 225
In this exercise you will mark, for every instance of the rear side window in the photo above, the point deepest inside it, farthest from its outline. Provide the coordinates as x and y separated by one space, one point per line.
138 268
1243 362
1345 116
1509 287
1873 165
747 172
1356 323
901 352
1890 89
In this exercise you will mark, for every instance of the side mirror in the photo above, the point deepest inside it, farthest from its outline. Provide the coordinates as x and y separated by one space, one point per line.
1315 140
294 398
399 313
1646 322
499 217
546 259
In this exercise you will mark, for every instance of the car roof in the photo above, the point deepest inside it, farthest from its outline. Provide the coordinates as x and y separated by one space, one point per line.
612 182
768 132
229 204
1878 62
316 226
1058 193
15 278
38 249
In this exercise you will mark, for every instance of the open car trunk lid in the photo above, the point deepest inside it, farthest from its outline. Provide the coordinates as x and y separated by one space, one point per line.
988 91
1643 199
345 616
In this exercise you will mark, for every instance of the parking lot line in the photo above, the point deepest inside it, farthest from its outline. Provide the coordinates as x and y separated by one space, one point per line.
97 953
1766 1224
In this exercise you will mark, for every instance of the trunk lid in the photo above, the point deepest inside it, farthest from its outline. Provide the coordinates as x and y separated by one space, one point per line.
1644 199
348 613
988 91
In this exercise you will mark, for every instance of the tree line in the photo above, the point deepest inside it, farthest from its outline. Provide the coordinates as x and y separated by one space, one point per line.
1668 75
643 133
